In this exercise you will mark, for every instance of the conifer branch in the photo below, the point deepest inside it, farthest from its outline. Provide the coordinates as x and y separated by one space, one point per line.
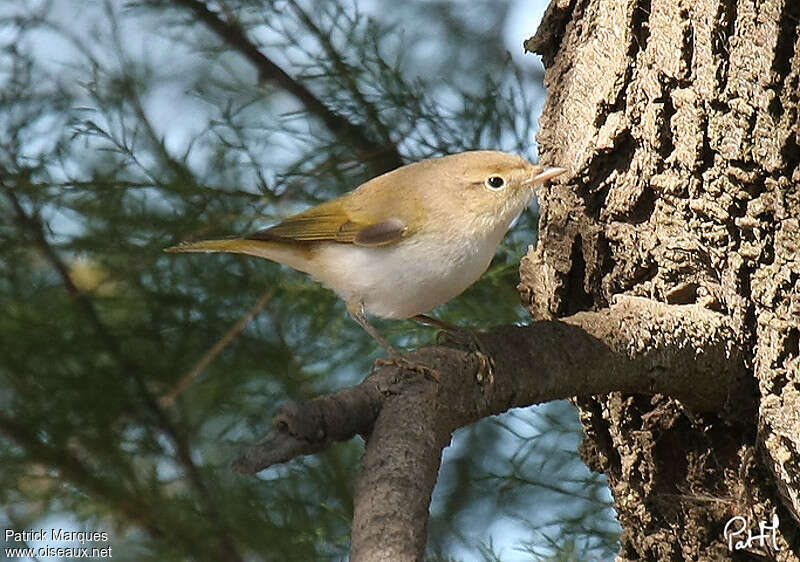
343 72
208 357
382 156
129 368
70 468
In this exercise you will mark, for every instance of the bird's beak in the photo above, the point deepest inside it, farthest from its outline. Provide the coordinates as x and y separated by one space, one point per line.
547 174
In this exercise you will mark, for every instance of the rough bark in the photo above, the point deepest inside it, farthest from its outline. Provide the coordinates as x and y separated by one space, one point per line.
679 122
636 345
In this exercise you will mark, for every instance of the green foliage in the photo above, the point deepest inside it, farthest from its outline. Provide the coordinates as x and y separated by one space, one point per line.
127 128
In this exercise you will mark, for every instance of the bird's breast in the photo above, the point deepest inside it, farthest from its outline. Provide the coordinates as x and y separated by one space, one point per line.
407 278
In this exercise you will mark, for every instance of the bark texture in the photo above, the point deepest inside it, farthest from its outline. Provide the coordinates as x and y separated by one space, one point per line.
635 345
679 122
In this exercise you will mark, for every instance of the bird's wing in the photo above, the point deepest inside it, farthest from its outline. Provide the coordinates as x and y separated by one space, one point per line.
337 221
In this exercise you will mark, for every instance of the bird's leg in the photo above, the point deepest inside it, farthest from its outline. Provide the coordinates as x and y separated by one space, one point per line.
450 333
441 324
358 313
356 310
464 338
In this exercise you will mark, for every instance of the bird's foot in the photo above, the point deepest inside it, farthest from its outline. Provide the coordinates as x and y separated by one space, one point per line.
466 339
485 374
461 338
408 366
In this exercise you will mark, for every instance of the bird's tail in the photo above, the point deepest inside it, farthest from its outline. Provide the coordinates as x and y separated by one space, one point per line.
293 255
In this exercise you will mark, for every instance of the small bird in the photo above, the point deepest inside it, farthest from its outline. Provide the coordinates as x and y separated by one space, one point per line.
406 241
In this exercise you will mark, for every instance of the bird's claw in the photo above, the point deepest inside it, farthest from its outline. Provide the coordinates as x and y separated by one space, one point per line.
468 340
485 374
460 338
409 366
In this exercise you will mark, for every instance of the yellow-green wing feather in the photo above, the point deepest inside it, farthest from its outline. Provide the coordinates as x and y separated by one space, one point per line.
382 211
317 223
345 220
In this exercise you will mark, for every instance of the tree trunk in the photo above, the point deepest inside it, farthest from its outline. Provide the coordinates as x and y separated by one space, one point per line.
679 122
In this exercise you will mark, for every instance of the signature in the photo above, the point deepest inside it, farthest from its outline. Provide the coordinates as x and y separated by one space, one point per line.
739 527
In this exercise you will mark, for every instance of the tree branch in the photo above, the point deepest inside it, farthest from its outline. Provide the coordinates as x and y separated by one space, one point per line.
303 428
636 346
208 357
382 156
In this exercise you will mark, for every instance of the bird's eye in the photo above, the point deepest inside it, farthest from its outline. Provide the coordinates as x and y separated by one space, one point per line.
494 182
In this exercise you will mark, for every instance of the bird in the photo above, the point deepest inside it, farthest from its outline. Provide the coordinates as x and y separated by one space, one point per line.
404 242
